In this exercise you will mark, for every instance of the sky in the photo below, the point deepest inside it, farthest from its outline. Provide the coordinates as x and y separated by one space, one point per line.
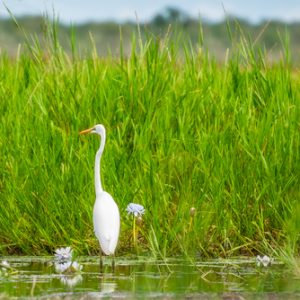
80 11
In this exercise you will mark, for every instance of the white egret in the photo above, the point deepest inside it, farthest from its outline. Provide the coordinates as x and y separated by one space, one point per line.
106 216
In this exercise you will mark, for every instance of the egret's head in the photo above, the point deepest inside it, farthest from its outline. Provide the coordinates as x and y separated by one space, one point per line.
98 129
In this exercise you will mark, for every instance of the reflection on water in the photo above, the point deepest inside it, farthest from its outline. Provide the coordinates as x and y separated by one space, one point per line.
146 278
108 287
71 281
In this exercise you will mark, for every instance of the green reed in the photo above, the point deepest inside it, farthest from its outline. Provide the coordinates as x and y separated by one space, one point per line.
183 131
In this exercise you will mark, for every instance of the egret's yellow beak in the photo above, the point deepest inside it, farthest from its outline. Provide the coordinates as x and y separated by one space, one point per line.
86 131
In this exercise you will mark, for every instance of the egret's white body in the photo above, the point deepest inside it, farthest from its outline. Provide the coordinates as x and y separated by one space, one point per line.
106 216
106 222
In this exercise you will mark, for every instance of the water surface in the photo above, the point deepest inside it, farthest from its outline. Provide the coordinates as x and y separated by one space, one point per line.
146 278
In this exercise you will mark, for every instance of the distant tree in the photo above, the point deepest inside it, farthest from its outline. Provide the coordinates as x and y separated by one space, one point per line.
175 15
159 20
170 15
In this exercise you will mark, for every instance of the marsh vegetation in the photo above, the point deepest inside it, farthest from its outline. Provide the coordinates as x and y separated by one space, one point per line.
210 150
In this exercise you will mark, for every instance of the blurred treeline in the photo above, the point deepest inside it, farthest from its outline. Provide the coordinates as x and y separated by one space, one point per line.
272 38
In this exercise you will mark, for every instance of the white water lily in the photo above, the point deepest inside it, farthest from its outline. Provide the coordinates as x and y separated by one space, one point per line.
5 268
265 260
61 267
135 209
5 264
63 254
63 262
67 267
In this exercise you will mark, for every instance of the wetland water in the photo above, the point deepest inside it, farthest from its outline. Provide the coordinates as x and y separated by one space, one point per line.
143 278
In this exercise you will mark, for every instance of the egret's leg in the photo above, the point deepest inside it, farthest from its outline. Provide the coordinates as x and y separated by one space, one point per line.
113 263
101 262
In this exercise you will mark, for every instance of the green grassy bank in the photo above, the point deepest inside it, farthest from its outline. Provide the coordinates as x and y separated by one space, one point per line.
182 133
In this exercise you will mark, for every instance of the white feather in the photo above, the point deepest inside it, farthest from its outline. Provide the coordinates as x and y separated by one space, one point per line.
106 219
106 216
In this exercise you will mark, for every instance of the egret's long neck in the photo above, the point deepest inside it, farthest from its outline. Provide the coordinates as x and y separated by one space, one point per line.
98 185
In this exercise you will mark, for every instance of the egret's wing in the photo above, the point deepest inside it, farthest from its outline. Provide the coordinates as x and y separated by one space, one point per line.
106 219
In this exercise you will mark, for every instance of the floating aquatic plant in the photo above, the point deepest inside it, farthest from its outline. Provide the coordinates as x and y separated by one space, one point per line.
67 267
64 261
264 260
76 267
5 264
63 254
6 269
61 267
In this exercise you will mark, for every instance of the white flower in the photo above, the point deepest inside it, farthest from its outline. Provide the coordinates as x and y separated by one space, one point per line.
76 266
61 267
5 264
135 209
67 266
63 254
265 260
5 267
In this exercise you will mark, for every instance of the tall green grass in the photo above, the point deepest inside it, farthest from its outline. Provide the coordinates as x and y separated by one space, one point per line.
183 131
